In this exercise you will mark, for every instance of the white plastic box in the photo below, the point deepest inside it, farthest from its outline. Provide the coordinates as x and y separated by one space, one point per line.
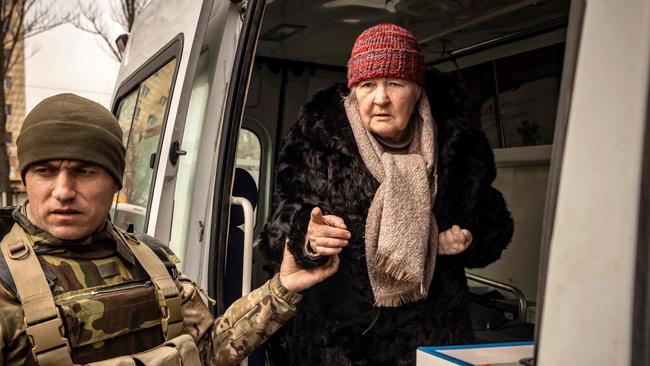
501 354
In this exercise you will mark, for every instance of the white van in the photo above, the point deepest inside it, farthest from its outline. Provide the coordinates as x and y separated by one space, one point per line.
559 87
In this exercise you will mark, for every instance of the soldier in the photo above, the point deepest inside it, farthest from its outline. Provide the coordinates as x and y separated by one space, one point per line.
74 289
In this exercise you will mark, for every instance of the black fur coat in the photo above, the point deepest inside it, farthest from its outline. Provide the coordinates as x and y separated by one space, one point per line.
319 165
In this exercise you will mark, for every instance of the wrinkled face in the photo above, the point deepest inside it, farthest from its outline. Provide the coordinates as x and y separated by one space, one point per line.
386 105
69 199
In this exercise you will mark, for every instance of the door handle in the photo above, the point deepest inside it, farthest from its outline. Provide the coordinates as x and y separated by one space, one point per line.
247 266
175 152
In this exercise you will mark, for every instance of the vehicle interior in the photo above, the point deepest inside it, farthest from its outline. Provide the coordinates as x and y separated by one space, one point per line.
207 89
507 56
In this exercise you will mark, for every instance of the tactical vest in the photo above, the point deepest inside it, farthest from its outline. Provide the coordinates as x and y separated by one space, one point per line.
54 328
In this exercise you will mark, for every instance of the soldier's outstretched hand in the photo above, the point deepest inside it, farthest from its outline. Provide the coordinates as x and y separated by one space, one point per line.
296 278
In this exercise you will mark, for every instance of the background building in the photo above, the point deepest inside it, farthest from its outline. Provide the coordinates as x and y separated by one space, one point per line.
14 85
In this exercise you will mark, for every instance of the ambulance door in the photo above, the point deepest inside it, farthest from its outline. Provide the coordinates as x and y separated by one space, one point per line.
184 183
151 103
177 102
595 266
227 192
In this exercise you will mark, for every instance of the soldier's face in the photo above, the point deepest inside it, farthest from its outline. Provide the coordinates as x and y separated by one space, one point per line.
69 199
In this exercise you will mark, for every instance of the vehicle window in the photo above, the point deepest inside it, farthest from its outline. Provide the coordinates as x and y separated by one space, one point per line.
249 157
249 154
529 95
142 134
126 113
514 102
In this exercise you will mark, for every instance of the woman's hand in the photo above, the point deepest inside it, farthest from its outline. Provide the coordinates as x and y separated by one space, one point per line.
326 234
454 240
296 278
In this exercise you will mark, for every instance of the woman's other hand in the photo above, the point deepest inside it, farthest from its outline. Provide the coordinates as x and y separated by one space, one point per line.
296 278
326 234
454 240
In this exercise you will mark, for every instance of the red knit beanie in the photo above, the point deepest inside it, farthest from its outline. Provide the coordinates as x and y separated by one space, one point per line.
386 50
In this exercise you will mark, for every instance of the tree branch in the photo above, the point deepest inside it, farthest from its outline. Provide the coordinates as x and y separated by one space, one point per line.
20 19
40 17
90 18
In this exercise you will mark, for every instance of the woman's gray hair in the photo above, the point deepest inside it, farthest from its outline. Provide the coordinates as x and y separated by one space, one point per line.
350 94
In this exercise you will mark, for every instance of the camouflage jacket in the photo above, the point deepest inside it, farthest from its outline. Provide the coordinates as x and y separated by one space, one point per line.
101 327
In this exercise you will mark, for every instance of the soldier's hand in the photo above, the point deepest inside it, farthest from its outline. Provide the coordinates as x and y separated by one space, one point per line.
327 234
296 278
454 240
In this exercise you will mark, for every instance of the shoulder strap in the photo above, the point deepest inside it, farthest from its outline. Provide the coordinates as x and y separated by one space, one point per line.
43 323
7 222
169 296
7 280
161 250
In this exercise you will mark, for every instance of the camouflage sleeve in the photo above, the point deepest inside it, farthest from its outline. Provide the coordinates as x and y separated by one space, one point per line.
12 334
244 326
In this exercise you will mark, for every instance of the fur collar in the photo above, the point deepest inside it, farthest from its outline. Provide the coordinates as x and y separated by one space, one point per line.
465 156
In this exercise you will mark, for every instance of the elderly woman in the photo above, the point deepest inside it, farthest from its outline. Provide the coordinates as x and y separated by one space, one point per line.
405 201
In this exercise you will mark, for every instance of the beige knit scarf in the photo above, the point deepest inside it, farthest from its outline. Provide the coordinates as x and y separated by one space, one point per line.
401 235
